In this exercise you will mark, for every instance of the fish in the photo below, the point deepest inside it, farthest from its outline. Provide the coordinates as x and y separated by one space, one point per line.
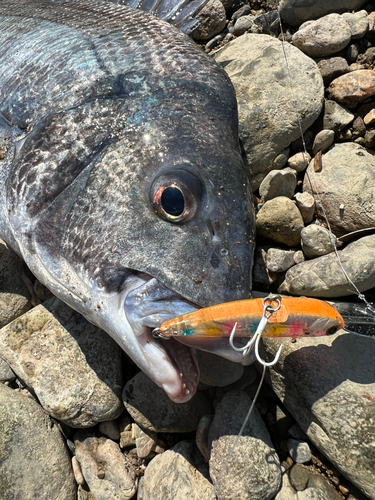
291 317
124 188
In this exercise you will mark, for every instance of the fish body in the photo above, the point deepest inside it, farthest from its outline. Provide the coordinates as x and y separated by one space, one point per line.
123 184
296 317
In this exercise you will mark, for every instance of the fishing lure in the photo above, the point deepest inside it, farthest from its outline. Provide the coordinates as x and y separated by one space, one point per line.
288 317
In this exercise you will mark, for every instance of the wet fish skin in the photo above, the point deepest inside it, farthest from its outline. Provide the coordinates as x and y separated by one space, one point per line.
99 103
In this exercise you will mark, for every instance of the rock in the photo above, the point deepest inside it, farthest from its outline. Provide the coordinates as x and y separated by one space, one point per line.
327 384
321 484
280 220
296 432
358 23
173 475
369 119
268 23
6 372
151 408
108 473
352 88
242 11
14 295
299 451
295 12
110 429
317 240
253 472
34 462
269 109
287 492
306 205
348 205
332 68
351 54
279 260
299 257
218 371
261 276
278 183
359 127
369 139
311 494
212 21
201 436
298 477
299 161
371 23
323 277
335 116
323 140
73 367
145 441
324 37
242 25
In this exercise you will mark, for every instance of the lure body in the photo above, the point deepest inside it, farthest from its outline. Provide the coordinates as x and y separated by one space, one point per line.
296 317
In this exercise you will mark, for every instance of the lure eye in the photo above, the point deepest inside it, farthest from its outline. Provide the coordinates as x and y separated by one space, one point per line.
331 330
176 196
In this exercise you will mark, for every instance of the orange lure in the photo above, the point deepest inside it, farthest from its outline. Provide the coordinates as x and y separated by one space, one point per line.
296 317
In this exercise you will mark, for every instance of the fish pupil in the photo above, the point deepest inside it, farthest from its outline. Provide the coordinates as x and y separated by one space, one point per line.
331 330
172 201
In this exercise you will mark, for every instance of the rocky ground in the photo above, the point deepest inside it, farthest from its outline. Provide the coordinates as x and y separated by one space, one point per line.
76 415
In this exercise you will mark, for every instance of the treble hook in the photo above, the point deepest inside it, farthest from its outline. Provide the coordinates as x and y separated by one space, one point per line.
268 310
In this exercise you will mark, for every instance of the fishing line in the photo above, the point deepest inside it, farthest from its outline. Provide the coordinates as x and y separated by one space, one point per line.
369 307
230 454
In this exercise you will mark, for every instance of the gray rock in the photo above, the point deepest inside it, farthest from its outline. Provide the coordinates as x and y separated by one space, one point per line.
286 492
327 384
295 12
368 57
145 441
317 240
269 109
311 494
201 436
242 25
324 37
6 372
320 483
73 367
278 183
306 205
336 117
323 140
352 88
299 257
332 68
348 205
358 23
110 429
279 260
351 54
253 472
108 472
218 371
151 408
297 433
173 475
280 220
261 276
14 295
323 277
299 161
298 477
212 21
242 11
299 451
34 462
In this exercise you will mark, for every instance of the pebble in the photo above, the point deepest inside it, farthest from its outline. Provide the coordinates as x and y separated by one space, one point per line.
306 205
34 461
201 437
242 11
145 441
351 54
332 68
352 88
324 37
336 117
280 220
73 367
321 484
262 277
311 494
298 477
151 408
267 94
77 471
323 140
369 139
14 295
242 25
299 161
110 429
108 473
6 372
299 451
371 23
369 119
317 240
295 12
358 23
212 21
279 260
278 183
359 127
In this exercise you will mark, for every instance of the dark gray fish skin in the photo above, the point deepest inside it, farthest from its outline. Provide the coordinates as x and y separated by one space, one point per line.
112 102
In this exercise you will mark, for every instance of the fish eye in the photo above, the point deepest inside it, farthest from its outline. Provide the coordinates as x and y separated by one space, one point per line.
331 330
176 196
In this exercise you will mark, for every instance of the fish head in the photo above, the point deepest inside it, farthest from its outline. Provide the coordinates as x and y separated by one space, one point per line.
136 211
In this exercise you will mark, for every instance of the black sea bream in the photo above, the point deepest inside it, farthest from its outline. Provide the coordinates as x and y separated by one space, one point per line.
123 186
